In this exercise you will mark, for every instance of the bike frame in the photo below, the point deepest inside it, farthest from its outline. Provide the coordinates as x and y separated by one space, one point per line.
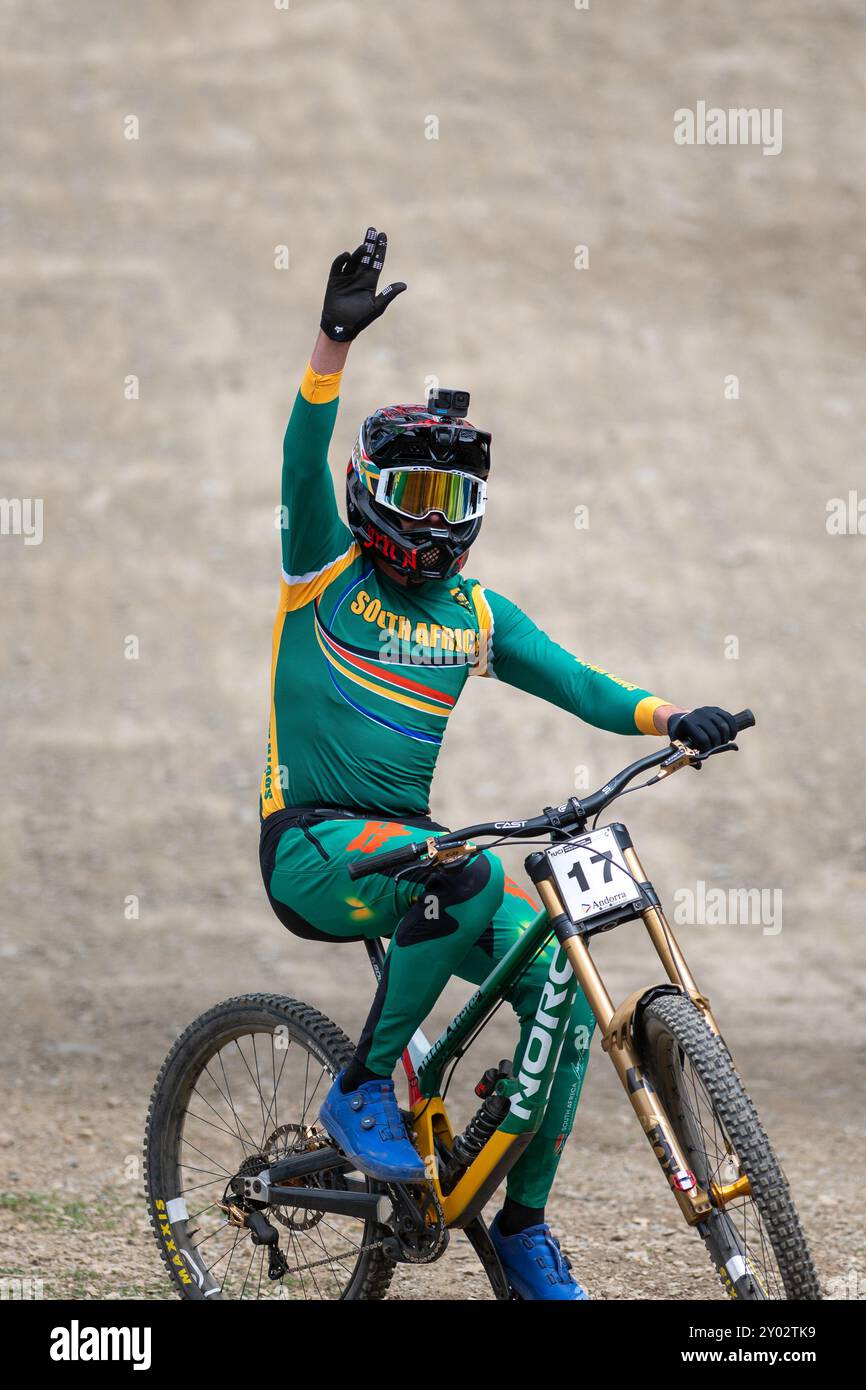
571 967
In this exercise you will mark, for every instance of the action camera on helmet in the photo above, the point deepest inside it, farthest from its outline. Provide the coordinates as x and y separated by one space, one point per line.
442 402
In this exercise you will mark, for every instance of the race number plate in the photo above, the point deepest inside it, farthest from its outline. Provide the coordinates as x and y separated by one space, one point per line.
592 877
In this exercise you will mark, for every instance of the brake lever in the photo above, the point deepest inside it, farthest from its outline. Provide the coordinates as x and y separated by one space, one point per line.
725 748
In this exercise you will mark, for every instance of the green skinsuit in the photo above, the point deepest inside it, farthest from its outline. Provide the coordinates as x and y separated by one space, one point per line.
364 675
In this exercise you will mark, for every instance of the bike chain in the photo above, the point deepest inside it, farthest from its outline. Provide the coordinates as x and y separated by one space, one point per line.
314 1264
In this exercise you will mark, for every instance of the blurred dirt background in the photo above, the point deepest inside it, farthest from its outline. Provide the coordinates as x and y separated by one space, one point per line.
604 387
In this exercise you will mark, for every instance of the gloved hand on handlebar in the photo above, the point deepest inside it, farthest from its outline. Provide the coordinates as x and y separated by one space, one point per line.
351 302
704 728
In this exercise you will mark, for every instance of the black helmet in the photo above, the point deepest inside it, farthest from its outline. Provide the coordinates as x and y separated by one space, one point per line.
411 461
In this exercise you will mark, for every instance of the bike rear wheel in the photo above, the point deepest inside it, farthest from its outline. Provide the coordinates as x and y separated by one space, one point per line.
240 1088
754 1237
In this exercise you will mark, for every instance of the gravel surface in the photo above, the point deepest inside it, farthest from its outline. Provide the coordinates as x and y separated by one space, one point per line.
128 824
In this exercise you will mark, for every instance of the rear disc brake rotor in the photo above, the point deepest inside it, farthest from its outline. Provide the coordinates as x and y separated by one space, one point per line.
295 1139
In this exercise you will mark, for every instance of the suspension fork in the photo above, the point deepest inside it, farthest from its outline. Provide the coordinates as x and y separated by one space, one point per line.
618 1040
667 947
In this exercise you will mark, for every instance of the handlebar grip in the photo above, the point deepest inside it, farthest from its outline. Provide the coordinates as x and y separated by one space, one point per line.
744 720
382 863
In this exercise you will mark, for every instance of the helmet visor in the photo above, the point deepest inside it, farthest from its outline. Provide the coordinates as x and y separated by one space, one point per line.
416 492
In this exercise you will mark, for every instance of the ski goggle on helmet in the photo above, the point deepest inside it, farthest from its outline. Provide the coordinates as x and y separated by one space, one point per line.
416 486
416 492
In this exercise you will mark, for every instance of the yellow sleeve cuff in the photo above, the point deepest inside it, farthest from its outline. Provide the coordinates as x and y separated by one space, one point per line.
644 711
319 388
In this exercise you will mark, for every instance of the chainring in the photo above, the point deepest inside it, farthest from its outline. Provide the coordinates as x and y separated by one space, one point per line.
419 1247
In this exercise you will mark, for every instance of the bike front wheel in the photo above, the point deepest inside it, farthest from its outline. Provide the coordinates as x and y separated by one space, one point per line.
753 1237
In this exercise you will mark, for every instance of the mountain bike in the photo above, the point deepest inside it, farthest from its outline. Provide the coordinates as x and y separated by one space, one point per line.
250 1199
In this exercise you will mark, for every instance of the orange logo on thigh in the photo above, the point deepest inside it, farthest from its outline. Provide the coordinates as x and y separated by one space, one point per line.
375 833
515 890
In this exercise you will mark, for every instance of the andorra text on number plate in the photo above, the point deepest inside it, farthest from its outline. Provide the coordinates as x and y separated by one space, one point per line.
591 875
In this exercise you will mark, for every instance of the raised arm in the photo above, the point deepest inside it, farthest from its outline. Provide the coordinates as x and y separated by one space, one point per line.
312 533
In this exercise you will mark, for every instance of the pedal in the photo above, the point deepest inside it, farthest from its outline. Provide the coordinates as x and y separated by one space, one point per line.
491 1078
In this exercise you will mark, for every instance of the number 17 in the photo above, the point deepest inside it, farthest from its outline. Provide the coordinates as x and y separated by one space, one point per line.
576 870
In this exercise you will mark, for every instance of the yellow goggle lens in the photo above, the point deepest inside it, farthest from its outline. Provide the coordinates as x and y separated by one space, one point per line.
418 491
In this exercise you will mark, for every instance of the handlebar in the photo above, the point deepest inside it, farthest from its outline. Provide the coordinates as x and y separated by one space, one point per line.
570 816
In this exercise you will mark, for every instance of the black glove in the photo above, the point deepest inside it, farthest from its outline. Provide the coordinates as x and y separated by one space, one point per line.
704 728
351 301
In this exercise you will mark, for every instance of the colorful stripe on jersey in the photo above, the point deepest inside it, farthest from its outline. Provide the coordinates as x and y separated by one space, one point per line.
370 671
416 734
359 666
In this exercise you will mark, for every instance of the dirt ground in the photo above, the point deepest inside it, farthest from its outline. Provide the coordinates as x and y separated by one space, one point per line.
605 388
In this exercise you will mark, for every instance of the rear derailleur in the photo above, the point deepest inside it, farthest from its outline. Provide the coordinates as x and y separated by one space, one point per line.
249 1216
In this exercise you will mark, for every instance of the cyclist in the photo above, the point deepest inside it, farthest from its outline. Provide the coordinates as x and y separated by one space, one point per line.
376 634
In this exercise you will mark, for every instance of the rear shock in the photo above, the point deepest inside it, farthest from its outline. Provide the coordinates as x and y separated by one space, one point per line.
483 1125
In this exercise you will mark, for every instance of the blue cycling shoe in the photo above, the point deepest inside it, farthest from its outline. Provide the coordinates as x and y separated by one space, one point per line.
368 1127
534 1265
